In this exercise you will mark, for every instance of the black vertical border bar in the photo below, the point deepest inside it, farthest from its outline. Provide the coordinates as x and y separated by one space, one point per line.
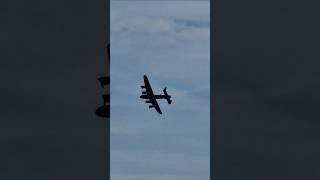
213 117
107 121
105 40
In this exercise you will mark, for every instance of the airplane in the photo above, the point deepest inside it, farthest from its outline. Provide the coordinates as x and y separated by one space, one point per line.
151 97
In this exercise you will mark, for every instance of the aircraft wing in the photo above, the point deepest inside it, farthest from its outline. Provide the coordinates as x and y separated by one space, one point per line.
150 94
155 104
147 86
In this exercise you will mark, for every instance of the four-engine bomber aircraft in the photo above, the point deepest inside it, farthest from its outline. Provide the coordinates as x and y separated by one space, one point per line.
152 98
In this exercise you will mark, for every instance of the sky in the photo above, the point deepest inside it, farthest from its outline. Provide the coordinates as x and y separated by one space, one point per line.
169 41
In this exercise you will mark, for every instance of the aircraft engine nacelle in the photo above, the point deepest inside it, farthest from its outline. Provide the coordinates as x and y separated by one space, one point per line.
142 87
103 111
144 92
151 106
148 101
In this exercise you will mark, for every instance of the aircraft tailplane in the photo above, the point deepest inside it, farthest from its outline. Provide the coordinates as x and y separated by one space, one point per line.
167 96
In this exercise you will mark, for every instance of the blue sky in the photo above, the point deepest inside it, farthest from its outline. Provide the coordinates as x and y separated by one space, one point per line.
170 42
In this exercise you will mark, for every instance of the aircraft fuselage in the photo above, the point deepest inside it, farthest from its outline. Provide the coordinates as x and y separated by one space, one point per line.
156 97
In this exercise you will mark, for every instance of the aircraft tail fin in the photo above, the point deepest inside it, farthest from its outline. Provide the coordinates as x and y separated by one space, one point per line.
167 96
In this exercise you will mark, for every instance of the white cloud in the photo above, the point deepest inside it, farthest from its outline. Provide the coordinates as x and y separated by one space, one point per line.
157 163
155 177
153 30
